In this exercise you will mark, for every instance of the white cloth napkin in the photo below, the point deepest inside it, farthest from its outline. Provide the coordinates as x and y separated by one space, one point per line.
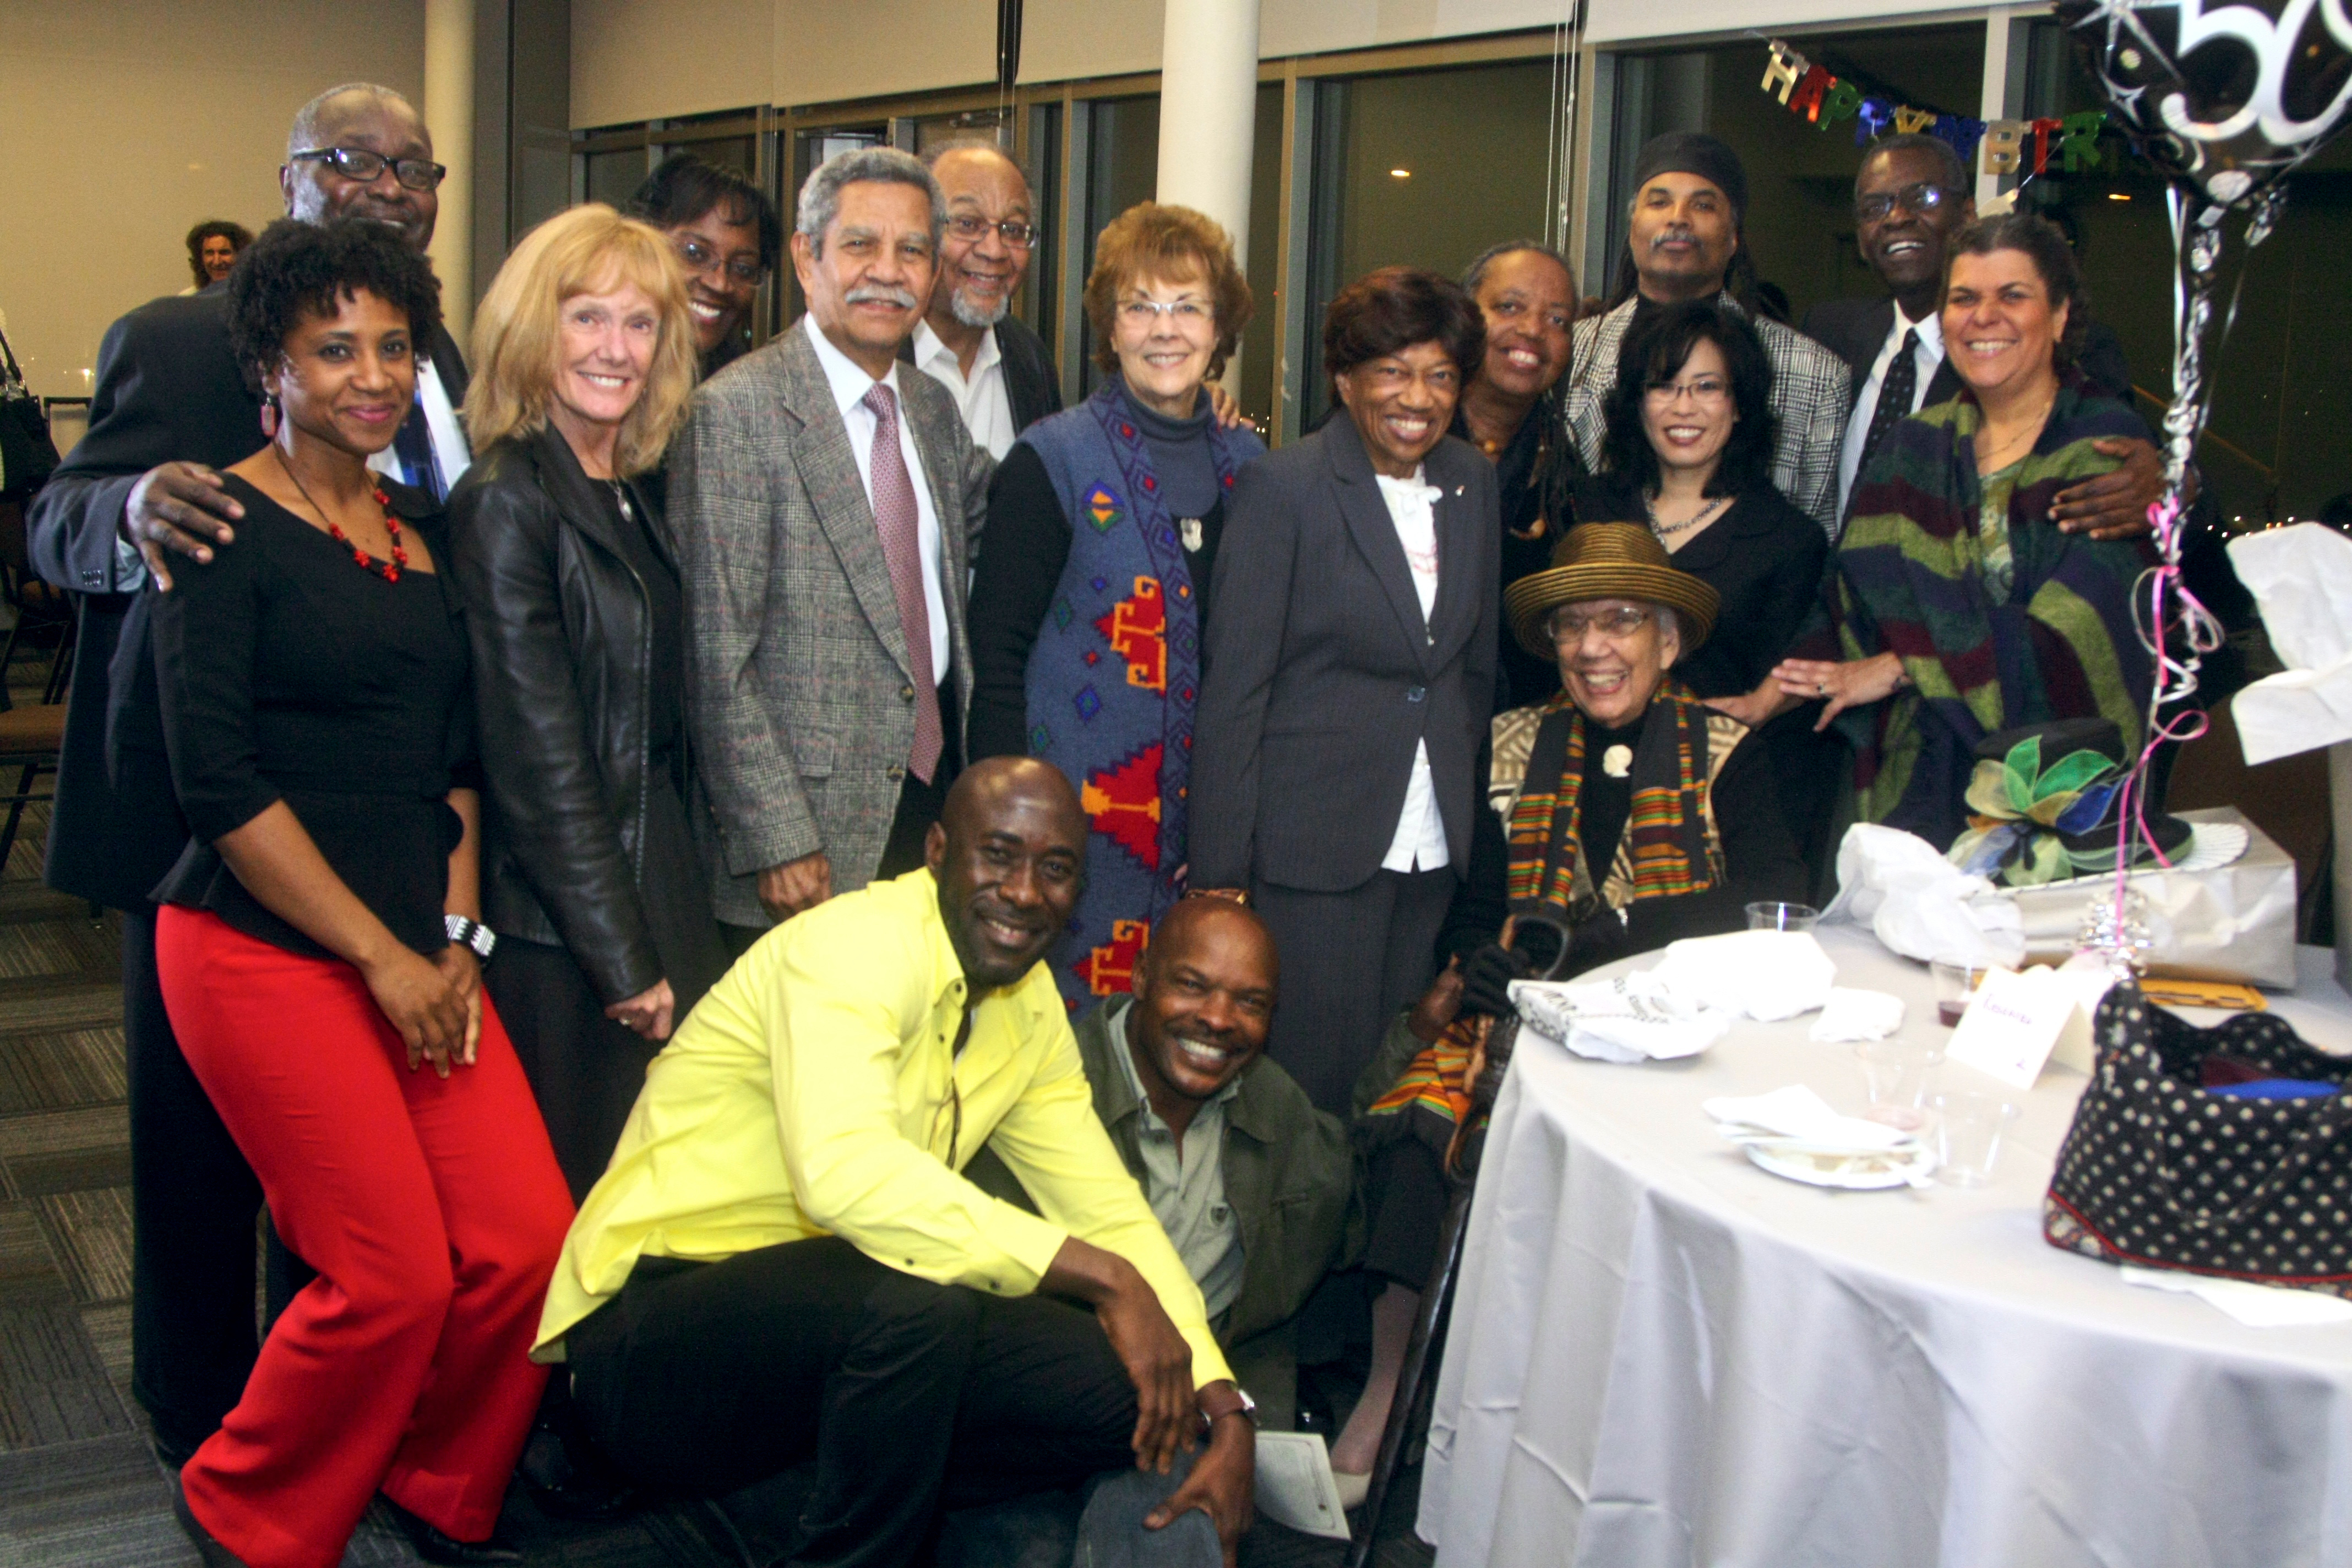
2256 1306
1767 975
1796 1112
1632 1018
1920 904
1851 1015
2302 579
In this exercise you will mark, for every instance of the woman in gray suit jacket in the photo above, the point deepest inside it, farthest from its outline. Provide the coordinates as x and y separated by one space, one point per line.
1350 674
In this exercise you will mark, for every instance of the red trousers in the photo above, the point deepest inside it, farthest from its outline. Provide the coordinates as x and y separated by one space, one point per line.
432 1211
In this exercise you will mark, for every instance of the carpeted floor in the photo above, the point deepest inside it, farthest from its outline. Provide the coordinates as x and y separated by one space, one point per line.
79 1485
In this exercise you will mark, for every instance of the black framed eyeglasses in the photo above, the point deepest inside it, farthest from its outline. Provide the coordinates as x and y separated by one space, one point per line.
1018 235
1922 198
358 165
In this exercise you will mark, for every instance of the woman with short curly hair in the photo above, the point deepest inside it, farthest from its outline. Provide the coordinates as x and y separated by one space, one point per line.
319 943
584 356
1351 670
1086 639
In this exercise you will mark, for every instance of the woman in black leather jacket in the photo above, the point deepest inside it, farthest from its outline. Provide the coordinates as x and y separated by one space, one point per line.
584 353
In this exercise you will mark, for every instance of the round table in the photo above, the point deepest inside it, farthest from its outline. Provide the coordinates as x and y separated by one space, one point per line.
1660 1354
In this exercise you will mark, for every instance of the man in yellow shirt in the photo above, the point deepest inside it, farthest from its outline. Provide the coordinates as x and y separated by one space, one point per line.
784 1259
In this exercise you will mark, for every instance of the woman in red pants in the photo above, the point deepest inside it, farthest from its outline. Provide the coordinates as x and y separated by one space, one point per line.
320 951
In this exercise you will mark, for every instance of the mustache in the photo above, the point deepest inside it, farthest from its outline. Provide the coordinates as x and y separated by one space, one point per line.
881 294
1671 233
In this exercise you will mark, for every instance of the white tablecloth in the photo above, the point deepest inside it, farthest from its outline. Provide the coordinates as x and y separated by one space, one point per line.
1662 1355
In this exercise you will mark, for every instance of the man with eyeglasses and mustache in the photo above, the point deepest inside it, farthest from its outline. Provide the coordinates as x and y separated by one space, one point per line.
170 410
1910 197
968 340
785 1260
1686 241
825 506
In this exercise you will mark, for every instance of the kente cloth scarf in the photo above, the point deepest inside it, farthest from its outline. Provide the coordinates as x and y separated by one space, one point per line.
1909 578
1669 846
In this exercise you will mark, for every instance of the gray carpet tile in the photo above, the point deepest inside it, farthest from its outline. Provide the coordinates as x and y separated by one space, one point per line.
30 1274
53 1387
65 1150
50 1003
29 949
61 1071
91 1232
94 1501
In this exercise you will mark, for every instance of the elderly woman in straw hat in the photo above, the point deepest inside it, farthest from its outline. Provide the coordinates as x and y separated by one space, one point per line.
1625 812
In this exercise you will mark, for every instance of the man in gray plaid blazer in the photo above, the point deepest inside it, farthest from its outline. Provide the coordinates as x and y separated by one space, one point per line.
825 506
1690 199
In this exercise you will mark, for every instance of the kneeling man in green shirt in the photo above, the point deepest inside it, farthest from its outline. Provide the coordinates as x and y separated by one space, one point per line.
784 1259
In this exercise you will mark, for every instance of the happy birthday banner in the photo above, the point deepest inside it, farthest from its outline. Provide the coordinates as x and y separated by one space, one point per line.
1997 147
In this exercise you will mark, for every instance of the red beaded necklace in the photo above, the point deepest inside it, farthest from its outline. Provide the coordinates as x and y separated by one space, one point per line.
388 569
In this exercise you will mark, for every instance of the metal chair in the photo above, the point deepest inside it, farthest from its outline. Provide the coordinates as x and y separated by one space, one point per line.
39 607
30 741
1490 1058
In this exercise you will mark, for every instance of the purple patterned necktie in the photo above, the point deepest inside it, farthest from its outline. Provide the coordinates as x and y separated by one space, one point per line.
897 521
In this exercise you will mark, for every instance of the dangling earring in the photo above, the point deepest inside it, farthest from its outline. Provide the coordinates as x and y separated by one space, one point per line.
270 417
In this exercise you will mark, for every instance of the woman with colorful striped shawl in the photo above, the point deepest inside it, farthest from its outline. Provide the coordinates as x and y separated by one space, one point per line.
1956 608
1623 810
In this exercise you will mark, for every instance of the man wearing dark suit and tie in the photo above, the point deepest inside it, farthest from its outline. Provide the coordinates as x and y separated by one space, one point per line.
824 498
171 409
1911 196
968 340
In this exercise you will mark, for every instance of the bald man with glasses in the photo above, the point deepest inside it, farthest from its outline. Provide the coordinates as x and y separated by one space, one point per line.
968 340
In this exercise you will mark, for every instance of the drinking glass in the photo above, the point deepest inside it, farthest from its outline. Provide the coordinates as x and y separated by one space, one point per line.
1782 917
1900 1077
1969 1130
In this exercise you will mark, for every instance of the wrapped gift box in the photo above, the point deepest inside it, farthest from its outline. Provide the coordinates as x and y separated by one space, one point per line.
2231 923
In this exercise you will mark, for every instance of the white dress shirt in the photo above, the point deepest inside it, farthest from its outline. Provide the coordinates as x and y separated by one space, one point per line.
850 385
980 398
451 455
1420 841
1924 358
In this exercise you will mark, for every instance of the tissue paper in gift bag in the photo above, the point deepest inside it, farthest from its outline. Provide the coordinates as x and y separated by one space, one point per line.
2232 923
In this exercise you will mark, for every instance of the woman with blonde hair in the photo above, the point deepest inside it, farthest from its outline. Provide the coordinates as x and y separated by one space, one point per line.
583 364
1090 592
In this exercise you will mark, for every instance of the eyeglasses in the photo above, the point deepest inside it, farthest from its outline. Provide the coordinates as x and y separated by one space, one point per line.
1922 198
1186 312
1019 236
1617 624
701 258
1703 390
358 165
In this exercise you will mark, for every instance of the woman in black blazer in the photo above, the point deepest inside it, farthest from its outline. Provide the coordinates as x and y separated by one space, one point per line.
583 356
1351 676
1689 454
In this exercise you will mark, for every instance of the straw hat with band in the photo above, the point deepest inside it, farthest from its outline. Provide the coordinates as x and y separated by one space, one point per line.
1608 560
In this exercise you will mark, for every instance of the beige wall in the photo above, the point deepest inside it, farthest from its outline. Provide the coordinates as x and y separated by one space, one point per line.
827 52
648 59
130 120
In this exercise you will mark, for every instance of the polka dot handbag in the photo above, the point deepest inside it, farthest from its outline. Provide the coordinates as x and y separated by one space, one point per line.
2157 1170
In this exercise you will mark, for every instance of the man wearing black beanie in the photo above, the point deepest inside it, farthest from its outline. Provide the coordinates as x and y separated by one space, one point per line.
1687 242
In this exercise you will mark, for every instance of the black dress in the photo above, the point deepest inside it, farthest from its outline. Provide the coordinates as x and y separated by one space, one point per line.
1529 538
1765 561
288 673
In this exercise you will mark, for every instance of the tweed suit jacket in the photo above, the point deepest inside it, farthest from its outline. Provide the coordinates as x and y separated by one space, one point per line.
800 689
1323 677
1812 392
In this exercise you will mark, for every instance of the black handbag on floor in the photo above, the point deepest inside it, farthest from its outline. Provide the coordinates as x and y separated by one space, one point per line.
27 455
2159 1170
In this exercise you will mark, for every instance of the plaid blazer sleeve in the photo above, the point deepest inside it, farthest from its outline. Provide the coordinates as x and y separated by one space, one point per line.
1813 393
722 470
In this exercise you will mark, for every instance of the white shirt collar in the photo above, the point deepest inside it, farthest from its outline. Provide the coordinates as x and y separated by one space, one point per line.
1930 327
931 351
1417 488
850 384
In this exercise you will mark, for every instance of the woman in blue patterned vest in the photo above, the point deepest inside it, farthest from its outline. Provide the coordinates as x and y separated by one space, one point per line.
1089 594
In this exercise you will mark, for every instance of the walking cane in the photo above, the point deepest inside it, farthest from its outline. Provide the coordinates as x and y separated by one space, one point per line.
1490 1058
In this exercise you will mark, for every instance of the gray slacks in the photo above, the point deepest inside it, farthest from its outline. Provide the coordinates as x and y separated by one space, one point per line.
1349 960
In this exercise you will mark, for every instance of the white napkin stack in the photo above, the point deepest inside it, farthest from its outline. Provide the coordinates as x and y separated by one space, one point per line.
1767 975
2302 579
1920 904
1632 1018
1851 1015
1797 1112
2256 1306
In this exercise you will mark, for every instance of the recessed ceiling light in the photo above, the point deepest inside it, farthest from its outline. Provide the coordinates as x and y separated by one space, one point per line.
1400 174
2117 196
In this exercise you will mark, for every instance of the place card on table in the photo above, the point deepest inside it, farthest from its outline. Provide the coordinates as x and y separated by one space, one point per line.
2016 1022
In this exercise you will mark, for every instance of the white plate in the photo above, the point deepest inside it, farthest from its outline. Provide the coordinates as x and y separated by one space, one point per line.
1859 1172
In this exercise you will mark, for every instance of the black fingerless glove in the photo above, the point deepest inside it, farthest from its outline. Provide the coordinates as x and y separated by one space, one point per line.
1487 979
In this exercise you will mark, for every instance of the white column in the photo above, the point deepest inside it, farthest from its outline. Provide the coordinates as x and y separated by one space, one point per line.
449 120
1208 115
